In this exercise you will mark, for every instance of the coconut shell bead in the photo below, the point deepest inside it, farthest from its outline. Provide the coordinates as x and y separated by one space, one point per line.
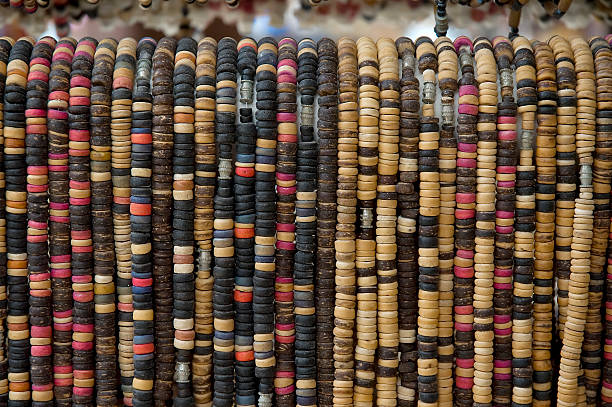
465 223
59 218
365 250
346 197
407 197
545 223
204 191
327 90
162 173
265 221
15 100
524 224
429 212
41 360
141 278
448 66
306 229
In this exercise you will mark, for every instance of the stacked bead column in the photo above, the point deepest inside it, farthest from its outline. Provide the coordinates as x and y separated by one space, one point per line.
545 223
327 125
346 197
121 159
102 223
447 82
204 192
244 227
41 331
486 75
162 139
386 223
83 355
286 166
465 223
504 224
524 233
183 277
306 230
408 204
265 221
140 228
365 245
429 211
59 219
223 242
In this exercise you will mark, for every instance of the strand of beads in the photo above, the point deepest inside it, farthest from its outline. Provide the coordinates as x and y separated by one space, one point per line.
429 211
306 230
504 224
286 165
585 146
545 223
140 228
265 221
447 81
121 159
183 277
244 228
83 358
59 219
41 364
223 242
346 198
204 192
386 223
524 233
408 201
161 222
6 44
486 71
16 219
465 222
365 245
601 189
327 125
102 222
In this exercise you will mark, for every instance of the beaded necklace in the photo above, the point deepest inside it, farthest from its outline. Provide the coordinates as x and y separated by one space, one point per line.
486 71
365 245
429 211
465 222
223 242
204 191
41 363
83 358
183 278
504 223
102 222
346 198
140 228
265 221
306 230
327 130
525 205
121 148
16 219
244 226
408 201
386 222
162 173
545 220
286 185
447 81
59 219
